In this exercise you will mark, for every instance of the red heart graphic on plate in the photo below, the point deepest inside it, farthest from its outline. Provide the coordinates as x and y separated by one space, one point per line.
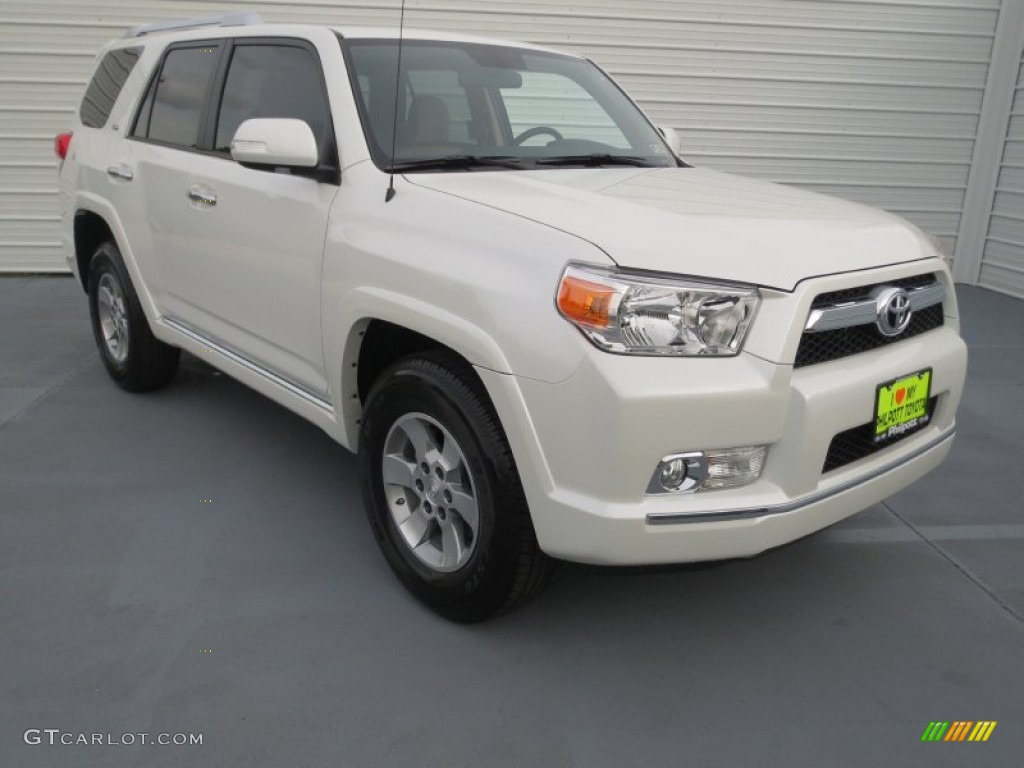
901 395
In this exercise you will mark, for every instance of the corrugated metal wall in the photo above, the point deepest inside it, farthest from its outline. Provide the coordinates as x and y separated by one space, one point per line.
1002 266
874 100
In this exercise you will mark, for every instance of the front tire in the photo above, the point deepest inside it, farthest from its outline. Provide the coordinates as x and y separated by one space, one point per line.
135 359
442 492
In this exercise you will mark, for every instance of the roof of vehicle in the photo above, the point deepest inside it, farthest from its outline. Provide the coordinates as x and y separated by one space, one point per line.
347 32
392 33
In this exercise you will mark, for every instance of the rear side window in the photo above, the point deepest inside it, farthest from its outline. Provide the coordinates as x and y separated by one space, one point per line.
106 85
174 104
272 81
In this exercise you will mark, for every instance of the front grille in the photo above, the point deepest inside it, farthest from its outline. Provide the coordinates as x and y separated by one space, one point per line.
842 342
857 443
823 346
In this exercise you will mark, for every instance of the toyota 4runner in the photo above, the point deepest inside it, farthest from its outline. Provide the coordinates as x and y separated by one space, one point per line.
481 267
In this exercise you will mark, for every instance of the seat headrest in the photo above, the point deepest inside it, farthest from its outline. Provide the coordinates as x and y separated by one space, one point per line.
429 121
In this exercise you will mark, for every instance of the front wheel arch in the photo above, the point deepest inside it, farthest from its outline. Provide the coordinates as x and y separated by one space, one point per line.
374 344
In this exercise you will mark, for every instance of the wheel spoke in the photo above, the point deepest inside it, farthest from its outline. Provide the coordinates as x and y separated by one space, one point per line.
415 528
422 441
452 545
449 456
105 297
466 507
397 471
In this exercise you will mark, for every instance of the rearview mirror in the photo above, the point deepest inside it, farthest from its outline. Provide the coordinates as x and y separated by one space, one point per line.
490 77
277 142
672 138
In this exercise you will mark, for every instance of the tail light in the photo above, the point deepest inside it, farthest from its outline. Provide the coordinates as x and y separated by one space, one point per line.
62 144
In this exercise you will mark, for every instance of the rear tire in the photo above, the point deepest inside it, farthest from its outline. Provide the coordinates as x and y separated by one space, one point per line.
450 514
135 359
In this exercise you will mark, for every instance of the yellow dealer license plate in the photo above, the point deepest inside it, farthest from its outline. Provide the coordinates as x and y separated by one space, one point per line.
901 406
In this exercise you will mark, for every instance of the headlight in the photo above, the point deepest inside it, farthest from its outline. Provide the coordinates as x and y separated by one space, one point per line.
641 315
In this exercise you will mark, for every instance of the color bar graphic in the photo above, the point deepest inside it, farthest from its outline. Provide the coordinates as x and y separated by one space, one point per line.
958 730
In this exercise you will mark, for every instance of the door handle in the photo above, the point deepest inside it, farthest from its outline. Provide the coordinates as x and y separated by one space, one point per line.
202 196
121 172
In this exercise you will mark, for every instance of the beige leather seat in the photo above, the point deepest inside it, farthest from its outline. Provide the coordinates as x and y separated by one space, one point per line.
430 126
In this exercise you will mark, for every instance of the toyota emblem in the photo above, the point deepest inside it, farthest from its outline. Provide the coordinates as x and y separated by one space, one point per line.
893 309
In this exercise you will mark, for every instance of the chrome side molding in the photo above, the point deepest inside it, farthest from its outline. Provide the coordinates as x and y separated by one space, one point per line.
292 386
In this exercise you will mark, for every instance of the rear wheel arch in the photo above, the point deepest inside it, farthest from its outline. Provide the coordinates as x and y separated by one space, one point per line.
91 230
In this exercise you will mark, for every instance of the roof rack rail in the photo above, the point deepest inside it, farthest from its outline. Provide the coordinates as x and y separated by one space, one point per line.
227 20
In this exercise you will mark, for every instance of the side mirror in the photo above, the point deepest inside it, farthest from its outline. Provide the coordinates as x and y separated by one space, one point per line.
672 138
275 142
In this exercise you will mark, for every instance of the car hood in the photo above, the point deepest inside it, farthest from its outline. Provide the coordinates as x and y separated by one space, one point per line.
695 221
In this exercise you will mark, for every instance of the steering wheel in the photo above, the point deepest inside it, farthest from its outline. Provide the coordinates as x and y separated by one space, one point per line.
537 131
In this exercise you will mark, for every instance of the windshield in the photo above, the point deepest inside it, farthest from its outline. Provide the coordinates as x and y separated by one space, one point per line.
461 105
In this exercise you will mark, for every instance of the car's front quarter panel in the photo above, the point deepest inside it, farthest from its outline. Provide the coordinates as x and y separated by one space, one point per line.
475 279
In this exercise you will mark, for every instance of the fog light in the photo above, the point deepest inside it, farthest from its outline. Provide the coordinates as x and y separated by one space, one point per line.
733 467
672 474
678 473
707 470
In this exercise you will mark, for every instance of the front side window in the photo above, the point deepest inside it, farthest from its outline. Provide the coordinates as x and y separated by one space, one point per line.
467 101
173 108
272 81
106 85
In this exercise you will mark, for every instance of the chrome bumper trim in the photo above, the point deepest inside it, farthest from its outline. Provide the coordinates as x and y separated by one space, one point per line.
677 518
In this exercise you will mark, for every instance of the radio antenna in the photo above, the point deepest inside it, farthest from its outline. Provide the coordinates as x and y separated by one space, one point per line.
394 126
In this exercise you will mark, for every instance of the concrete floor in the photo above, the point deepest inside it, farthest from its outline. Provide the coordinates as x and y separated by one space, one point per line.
266 620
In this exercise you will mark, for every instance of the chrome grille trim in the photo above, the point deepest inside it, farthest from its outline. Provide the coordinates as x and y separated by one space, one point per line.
853 313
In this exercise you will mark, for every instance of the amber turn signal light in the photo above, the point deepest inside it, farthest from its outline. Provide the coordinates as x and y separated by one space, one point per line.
585 302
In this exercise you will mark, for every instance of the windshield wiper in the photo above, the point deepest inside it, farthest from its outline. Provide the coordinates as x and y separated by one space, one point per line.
456 162
595 160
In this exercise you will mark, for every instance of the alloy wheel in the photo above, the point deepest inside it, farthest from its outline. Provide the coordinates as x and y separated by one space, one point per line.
430 492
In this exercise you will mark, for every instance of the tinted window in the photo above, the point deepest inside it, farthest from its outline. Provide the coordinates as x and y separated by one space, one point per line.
106 85
272 81
174 107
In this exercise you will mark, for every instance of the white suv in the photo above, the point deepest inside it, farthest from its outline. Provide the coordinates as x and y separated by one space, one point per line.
489 273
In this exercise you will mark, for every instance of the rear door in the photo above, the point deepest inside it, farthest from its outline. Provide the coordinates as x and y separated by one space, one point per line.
154 166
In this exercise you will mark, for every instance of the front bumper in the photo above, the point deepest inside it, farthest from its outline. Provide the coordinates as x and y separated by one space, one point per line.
587 447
